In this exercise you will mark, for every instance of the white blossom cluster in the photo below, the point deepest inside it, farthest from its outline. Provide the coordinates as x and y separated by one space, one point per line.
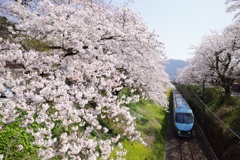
216 59
47 100
94 52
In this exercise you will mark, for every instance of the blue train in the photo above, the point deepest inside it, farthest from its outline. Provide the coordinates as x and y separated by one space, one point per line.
182 115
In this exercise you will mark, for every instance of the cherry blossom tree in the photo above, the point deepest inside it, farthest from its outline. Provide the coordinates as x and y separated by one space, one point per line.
192 73
216 58
91 54
233 6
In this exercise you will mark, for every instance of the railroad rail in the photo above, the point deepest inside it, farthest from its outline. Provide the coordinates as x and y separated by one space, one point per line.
186 150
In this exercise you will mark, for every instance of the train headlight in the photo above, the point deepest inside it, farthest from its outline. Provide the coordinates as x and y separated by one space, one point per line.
179 132
189 132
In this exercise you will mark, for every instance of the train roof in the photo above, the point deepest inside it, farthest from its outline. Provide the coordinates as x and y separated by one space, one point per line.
180 100
183 109
181 104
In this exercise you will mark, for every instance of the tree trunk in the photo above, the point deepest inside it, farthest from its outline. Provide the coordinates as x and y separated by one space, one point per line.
226 84
227 90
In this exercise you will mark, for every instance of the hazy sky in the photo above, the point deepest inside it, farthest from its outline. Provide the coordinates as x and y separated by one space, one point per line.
182 23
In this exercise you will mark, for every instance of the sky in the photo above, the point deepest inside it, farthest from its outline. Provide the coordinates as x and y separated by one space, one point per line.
182 23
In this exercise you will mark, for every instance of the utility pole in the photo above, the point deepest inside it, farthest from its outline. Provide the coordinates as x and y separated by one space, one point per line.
203 89
203 98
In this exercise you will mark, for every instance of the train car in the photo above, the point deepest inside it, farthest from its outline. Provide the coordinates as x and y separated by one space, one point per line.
182 115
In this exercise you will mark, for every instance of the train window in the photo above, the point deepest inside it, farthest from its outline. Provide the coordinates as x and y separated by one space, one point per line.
184 118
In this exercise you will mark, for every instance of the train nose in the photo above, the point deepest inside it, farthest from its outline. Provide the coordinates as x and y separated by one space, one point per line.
184 133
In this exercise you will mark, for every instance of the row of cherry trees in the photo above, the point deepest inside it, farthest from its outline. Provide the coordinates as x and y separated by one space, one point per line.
216 59
91 53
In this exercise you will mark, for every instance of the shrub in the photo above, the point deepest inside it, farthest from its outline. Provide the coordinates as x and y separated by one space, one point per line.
15 143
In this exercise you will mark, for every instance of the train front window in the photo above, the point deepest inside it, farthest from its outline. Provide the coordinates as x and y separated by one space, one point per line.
184 118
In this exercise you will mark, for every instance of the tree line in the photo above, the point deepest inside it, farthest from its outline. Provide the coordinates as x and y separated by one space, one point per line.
216 60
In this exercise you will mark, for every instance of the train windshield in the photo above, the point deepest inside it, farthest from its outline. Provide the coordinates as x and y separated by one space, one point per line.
184 118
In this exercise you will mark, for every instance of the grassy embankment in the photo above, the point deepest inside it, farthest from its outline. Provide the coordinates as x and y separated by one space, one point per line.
152 123
227 109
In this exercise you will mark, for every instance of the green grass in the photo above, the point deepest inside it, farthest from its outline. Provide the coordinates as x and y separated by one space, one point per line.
10 137
136 151
152 123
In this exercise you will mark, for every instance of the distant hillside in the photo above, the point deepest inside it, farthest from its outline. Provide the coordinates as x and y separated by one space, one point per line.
173 65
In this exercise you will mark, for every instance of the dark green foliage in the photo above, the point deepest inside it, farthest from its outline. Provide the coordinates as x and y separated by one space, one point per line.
143 121
125 91
28 43
114 128
58 129
38 45
10 137
4 24
104 93
59 157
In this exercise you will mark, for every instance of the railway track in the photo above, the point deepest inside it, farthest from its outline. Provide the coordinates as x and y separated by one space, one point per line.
208 146
186 147
186 150
196 147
